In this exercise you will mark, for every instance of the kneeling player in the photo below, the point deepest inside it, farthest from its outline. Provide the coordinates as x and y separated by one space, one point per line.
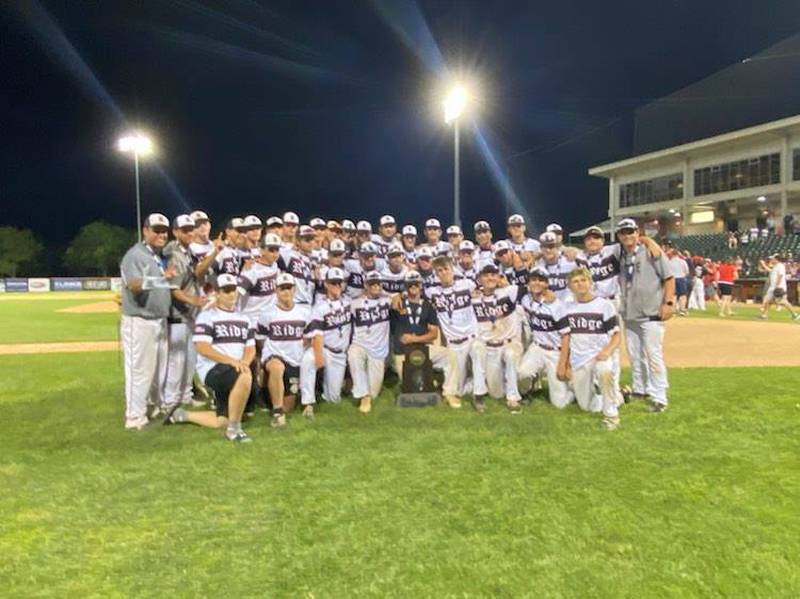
225 343
282 327
586 350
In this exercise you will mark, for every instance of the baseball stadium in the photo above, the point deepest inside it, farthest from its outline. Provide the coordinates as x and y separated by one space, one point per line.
480 394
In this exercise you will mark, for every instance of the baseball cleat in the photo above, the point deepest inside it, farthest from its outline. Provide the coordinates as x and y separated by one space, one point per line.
136 424
610 422
514 407
278 421
239 437
453 401
308 412
480 404
656 407
365 407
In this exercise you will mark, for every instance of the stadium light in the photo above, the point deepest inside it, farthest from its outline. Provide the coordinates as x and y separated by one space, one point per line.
455 102
141 146
762 198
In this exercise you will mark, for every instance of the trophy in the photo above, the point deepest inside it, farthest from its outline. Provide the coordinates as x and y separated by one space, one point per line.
416 388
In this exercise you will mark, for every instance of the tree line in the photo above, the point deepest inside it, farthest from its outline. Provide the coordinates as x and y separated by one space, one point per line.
95 251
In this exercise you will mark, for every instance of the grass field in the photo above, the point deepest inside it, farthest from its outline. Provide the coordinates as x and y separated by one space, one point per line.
700 501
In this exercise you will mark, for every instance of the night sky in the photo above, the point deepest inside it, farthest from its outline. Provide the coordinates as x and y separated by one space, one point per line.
327 107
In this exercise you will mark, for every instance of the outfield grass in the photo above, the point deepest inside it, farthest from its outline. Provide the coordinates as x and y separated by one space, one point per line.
700 501
26 320
748 312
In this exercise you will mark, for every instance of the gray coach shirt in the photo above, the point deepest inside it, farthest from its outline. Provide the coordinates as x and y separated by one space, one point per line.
641 282
181 259
141 261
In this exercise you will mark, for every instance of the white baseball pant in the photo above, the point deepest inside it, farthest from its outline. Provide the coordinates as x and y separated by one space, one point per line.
697 297
644 340
144 349
181 359
592 377
367 372
538 359
332 378
442 358
470 351
501 370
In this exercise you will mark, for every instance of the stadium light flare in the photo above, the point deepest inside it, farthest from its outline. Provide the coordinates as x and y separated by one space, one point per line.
454 103
140 145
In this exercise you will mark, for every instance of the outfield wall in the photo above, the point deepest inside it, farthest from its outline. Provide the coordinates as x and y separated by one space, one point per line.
56 284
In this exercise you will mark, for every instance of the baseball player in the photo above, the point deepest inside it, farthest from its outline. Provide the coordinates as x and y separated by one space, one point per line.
370 346
296 260
500 332
484 252
348 236
320 227
509 263
329 332
425 269
226 260
454 237
252 229
556 230
257 283
433 234
409 240
452 301
274 225
291 223
281 328
335 259
548 324
358 268
364 234
225 343
146 302
186 301
201 245
387 230
776 286
413 321
556 264
393 275
517 238
586 350
465 265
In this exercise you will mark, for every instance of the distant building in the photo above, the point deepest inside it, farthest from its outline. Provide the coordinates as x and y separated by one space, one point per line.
707 160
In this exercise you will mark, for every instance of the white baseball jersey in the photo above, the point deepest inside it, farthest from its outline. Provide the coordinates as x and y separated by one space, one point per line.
514 276
466 273
411 256
454 311
547 321
331 319
371 324
526 245
393 282
498 319
257 289
201 250
282 332
557 275
356 273
229 332
604 266
298 265
483 256
227 262
429 280
591 326
440 248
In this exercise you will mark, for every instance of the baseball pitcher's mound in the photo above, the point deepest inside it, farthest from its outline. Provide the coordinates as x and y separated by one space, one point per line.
93 308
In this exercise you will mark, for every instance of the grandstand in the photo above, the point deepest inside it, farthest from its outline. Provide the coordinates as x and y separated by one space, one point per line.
715 246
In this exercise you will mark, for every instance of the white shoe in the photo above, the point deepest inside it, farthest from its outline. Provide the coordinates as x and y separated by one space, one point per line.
136 424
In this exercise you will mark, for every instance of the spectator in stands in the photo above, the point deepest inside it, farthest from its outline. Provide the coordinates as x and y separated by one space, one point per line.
745 238
733 243
771 224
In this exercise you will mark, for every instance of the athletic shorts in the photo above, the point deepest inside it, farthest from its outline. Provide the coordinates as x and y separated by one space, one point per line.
778 293
681 286
221 378
726 289
291 376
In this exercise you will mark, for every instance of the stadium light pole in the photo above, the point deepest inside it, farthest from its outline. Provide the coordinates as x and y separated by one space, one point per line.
454 104
139 145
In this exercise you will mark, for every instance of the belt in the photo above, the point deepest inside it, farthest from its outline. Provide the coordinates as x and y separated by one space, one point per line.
497 343
459 341
174 321
547 347
334 351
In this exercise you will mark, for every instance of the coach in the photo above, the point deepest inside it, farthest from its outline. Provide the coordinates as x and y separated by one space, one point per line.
647 300
146 301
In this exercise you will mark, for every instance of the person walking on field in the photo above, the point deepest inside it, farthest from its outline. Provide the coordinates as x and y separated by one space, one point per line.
776 287
726 276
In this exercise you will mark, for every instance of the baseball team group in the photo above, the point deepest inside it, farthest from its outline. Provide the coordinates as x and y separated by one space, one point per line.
274 315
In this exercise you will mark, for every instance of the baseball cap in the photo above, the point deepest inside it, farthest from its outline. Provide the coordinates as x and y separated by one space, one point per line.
271 241
337 247
348 225
156 219
412 276
554 228
183 221
306 231
333 225
234 223
538 273
626 223
501 246
372 275
489 268
317 223
387 219
466 246
433 223
284 279
251 221
482 225
334 274
368 248
226 280
364 225
516 219
548 238
291 218
394 249
199 216
274 220
593 230
424 252
454 230
409 230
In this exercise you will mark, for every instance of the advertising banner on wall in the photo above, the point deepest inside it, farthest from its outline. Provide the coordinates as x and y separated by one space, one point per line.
96 284
16 285
65 284
39 285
